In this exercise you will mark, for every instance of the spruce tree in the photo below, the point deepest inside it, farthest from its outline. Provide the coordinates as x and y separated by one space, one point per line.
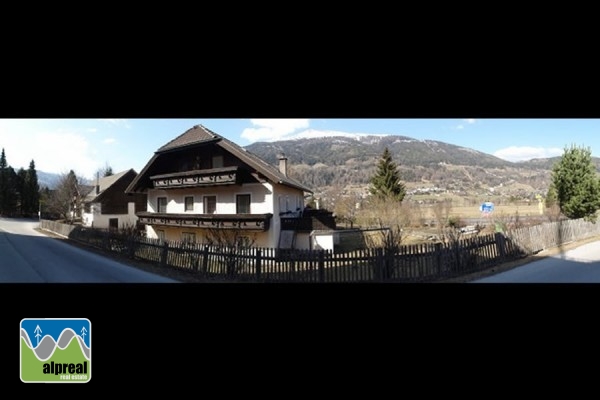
32 190
21 191
386 184
8 190
3 182
551 196
576 182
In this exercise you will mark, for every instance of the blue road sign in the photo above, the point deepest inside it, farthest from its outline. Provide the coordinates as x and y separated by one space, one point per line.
487 207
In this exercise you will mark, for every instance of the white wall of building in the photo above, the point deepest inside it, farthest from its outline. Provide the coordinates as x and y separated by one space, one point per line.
265 199
260 197
98 220
323 241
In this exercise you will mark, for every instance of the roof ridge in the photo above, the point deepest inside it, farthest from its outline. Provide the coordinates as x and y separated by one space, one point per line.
180 140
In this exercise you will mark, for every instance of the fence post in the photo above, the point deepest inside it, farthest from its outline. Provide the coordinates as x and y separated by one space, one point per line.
205 260
258 264
438 258
163 256
378 264
500 245
457 255
105 241
388 263
131 246
321 266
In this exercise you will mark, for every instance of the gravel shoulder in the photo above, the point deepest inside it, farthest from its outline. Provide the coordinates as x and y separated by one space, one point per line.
189 277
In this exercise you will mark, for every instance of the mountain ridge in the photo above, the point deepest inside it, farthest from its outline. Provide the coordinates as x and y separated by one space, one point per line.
339 162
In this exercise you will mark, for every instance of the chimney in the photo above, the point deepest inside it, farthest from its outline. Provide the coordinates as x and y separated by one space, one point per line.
282 163
97 183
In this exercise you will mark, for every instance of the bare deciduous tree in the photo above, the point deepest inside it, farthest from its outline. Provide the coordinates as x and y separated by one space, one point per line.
67 198
392 217
230 243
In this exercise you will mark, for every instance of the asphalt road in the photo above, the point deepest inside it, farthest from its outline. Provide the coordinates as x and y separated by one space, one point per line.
28 256
579 265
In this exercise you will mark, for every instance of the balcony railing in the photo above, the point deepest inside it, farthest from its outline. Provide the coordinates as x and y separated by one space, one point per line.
307 223
251 222
197 178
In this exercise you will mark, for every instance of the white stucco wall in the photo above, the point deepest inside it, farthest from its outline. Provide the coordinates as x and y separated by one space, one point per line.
261 198
324 241
98 220
265 199
284 199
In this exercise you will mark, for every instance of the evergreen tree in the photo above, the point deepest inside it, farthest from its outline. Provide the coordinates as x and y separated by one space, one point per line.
577 185
21 191
3 182
8 190
32 190
386 182
551 198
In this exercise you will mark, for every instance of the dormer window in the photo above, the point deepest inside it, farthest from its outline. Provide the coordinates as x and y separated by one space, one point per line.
217 162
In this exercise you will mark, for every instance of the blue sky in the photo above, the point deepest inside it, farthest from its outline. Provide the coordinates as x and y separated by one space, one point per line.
87 145
54 328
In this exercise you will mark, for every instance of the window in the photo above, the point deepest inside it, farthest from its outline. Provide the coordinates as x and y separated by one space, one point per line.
113 224
242 204
189 203
161 235
161 203
243 242
217 162
188 237
210 204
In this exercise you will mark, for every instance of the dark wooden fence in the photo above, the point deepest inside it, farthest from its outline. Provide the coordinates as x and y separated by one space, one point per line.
427 262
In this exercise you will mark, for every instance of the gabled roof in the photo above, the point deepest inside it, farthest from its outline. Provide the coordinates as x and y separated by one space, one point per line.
199 135
105 183
196 135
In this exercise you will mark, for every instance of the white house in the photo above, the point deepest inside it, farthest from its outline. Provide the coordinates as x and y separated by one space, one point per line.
108 206
201 187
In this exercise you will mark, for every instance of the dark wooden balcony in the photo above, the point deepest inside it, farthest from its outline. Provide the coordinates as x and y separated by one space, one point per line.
250 222
310 220
197 178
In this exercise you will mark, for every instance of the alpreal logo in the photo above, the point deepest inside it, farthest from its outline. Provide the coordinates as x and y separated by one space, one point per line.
56 350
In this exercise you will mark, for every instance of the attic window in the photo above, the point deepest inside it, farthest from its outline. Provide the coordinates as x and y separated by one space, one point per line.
217 162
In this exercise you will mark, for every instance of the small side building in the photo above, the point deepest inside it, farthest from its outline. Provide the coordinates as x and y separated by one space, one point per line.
107 206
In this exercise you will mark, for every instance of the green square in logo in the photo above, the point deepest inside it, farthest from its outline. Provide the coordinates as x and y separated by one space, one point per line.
56 350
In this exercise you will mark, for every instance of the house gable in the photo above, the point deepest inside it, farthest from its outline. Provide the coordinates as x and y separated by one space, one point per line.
110 193
194 152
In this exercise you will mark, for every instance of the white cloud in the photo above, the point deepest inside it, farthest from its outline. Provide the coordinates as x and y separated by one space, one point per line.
56 151
273 129
117 122
470 120
92 130
524 153
459 127
109 141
